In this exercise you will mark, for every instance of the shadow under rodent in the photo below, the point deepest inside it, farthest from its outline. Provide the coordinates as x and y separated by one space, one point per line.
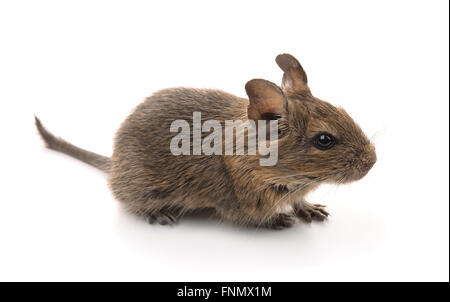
318 143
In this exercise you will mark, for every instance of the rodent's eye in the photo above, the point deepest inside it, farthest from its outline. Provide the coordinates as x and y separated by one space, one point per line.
324 141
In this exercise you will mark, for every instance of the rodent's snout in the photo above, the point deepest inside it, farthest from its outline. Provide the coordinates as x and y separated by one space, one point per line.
362 163
370 160
367 159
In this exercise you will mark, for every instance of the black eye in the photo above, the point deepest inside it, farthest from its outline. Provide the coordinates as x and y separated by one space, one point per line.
324 141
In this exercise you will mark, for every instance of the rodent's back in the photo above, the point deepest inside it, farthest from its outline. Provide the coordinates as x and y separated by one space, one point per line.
143 167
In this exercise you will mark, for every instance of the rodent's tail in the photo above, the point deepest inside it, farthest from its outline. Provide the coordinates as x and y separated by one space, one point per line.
99 161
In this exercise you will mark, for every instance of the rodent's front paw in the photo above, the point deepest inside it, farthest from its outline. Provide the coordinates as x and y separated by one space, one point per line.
282 221
308 211
162 217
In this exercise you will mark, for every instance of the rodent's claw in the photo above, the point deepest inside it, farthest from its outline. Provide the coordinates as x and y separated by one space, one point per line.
307 212
304 215
319 205
161 217
282 221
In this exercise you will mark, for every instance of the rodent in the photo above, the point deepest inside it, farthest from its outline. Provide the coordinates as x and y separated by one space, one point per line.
318 143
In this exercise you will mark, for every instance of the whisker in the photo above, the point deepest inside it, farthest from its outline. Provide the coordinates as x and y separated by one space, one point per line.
376 135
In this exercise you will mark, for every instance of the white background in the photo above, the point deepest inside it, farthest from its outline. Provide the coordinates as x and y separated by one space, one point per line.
82 66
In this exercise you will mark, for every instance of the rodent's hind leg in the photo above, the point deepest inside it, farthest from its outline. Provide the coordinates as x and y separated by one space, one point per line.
162 216
308 211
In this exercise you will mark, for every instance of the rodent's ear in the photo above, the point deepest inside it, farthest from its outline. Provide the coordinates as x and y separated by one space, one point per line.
294 77
267 101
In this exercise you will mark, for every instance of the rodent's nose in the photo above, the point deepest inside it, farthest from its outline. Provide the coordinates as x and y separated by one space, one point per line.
369 159
362 163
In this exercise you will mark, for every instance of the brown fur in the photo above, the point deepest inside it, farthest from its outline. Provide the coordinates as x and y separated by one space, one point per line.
149 180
